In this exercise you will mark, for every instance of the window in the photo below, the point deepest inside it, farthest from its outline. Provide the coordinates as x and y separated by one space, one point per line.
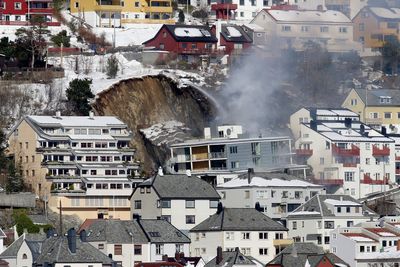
263 251
241 2
342 29
33 173
294 225
348 209
256 149
392 25
350 223
33 158
233 149
17 5
26 145
321 161
76 4
253 3
178 248
214 204
245 251
137 4
138 250
162 46
278 236
117 249
247 194
367 161
265 2
166 218
263 235
190 219
361 27
349 176
353 102
339 209
388 115
326 239
138 204
286 28
230 236
24 256
165 203
235 164
159 249
246 235
194 45
324 29
305 28
362 249
329 225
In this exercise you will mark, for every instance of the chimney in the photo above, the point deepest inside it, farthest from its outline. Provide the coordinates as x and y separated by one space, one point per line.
71 236
219 255
188 173
341 198
207 133
165 257
250 171
83 235
50 233
294 251
383 130
362 129
347 122
58 114
25 231
160 171
313 125
136 216
220 208
258 206
91 115
41 230
177 256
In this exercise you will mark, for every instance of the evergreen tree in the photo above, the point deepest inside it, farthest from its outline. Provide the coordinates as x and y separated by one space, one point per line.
112 66
181 16
61 38
78 94
15 182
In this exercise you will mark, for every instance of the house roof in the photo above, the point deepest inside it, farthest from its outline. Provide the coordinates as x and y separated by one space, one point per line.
374 97
386 13
161 231
12 250
181 187
2 234
188 33
333 112
314 260
38 219
304 16
55 250
76 121
238 219
267 182
235 34
317 206
231 258
359 237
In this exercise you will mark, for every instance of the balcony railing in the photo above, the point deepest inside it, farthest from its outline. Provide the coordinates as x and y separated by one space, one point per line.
283 242
368 180
350 165
217 155
219 168
346 152
304 152
328 181
223 6
384 151
200 156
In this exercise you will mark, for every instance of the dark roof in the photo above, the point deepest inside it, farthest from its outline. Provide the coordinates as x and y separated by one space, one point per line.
317 204
55 250
206 37
229 37
18 200
181 187
161 231
158 264
13 249
38 219
238 219
374 96
230 258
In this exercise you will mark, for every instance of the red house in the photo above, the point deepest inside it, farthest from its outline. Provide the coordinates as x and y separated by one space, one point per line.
186 41
19 12
234 39
224 10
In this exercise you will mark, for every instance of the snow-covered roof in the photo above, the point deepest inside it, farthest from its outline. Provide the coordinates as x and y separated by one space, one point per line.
335 202
189 32
233 32
305 16
262 182
388 253
361 239
77 121
387 13
305 213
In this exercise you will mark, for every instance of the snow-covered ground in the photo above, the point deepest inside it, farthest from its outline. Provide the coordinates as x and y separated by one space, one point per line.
166 133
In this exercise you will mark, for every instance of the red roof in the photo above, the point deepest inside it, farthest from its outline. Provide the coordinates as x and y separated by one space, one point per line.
358 234
86 224
378 231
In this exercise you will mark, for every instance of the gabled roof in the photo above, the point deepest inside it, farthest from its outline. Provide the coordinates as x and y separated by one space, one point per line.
188 33
317 206
55 250
373 97
238 219
235 34
308 16
385 13
180 187
12 250
161 231
231 258
76 121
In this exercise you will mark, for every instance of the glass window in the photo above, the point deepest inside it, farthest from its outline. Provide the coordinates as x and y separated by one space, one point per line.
190 219
190 204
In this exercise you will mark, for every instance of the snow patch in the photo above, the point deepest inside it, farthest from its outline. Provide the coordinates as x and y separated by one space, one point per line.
233 32
188 32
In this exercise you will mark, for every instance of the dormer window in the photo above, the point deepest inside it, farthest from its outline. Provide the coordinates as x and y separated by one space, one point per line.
385 99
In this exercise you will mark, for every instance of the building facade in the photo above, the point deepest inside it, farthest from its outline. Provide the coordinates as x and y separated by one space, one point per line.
251 231
83 162
277 194
314 220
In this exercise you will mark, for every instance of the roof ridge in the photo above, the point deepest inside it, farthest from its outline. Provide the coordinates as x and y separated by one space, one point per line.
319 204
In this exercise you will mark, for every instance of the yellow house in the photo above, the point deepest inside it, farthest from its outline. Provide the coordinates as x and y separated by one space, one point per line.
376 107
110 13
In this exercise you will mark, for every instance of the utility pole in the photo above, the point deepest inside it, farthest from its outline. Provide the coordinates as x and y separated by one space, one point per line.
61 227
61 54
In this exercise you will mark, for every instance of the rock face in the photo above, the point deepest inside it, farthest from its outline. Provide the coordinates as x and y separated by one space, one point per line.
143 102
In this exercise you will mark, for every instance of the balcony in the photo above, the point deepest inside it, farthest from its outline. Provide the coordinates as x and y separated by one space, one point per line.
328 181
33 10
397 158
200 156
224 6
282 242
108 8
304 152
346 152
368 180
217 155
380 152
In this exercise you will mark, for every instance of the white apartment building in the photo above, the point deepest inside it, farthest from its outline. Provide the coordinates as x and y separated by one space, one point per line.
346 154
137 240
314 220
254 233
293 28
276 193
308 5
367 244
83 161
181 200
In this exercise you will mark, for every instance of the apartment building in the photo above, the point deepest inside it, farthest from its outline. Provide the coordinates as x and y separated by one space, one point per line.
181 200
254 233
293 28
226 150
277 194
15 12
377 108
348 7
83 161
368 244
347 155
373 26
119 13
137 240
314 220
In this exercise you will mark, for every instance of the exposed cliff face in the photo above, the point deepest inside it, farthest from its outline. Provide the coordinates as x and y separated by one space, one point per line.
142 102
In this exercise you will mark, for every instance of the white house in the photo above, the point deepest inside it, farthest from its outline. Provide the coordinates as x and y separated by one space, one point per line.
367 244
233 258
254 233
276 193
308 5
293 28
138 240
314 220
345 154
182 200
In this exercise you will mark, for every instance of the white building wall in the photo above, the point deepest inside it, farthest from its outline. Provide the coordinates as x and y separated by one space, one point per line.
308 5
205 244
21 262
343 247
